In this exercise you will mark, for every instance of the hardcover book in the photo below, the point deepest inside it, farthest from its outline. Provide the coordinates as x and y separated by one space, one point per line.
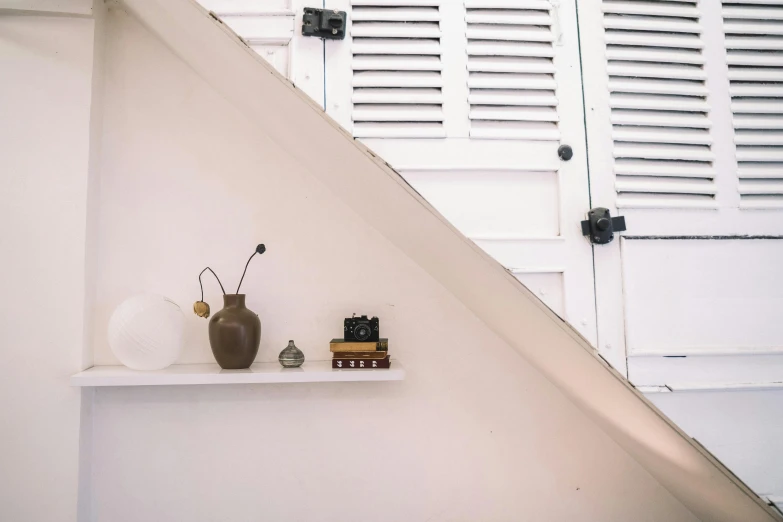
378 354
367 364
341 345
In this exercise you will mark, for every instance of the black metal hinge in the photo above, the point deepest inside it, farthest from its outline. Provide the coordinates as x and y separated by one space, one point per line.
600 227
324 23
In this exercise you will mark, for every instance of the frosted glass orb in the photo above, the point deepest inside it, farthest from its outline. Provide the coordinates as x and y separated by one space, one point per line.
146 332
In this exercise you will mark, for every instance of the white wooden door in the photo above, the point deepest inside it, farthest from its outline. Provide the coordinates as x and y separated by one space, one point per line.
469 101
684 111
685 132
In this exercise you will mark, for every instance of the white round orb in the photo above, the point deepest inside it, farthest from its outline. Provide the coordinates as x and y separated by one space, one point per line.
146 332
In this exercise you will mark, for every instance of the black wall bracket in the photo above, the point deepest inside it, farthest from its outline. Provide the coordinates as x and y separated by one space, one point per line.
600 227
324 23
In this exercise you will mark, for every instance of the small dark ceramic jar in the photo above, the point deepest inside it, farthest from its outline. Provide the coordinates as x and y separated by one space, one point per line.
291 356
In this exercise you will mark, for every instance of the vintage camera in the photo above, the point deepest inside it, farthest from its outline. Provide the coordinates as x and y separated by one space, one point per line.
361 329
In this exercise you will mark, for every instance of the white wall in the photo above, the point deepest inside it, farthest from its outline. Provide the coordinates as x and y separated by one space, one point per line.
474 433
45 92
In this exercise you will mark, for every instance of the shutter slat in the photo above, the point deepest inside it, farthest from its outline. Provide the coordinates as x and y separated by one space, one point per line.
395 15
761 202
662 152
763 74
514 34
750 122
490 48
542 5
511 97
757 186
417 96
663 168
761 106
660 119
395 3
663 103
654 55
740 91
644 70
513 113
629 23
654 9
665 135
768 44
671 41
760 170
511 65
743 27
665 201
752 12
507 17
398 130
397 79
760 139
514 131
511 81
392 30
408 112
758 59
395 63
405 47
666 186
759 154
651 86
765 2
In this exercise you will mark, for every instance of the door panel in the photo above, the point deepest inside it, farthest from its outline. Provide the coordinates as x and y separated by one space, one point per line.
508 203
702 296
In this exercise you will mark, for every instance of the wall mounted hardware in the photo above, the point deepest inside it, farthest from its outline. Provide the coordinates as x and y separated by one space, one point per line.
324 23
600 227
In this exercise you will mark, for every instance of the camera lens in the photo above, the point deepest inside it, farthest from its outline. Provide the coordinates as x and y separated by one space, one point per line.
361 332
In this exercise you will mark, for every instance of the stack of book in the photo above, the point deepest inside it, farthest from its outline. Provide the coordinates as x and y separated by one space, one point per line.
354 354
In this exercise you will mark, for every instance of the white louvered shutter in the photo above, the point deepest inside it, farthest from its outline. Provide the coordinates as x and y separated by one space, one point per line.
396 70
659 110
511 70
683 112
754 46
469 100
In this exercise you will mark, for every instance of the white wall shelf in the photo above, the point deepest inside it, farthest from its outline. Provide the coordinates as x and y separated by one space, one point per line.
264 373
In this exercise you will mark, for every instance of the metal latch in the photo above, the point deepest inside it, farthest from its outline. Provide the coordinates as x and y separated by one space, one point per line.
600 227
324 23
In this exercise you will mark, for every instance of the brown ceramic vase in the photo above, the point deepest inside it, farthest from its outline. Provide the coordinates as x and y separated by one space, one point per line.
234 334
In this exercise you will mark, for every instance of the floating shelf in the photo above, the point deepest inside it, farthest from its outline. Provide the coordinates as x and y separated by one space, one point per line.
266 373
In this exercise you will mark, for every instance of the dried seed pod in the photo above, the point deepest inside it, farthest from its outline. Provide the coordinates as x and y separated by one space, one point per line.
201 309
